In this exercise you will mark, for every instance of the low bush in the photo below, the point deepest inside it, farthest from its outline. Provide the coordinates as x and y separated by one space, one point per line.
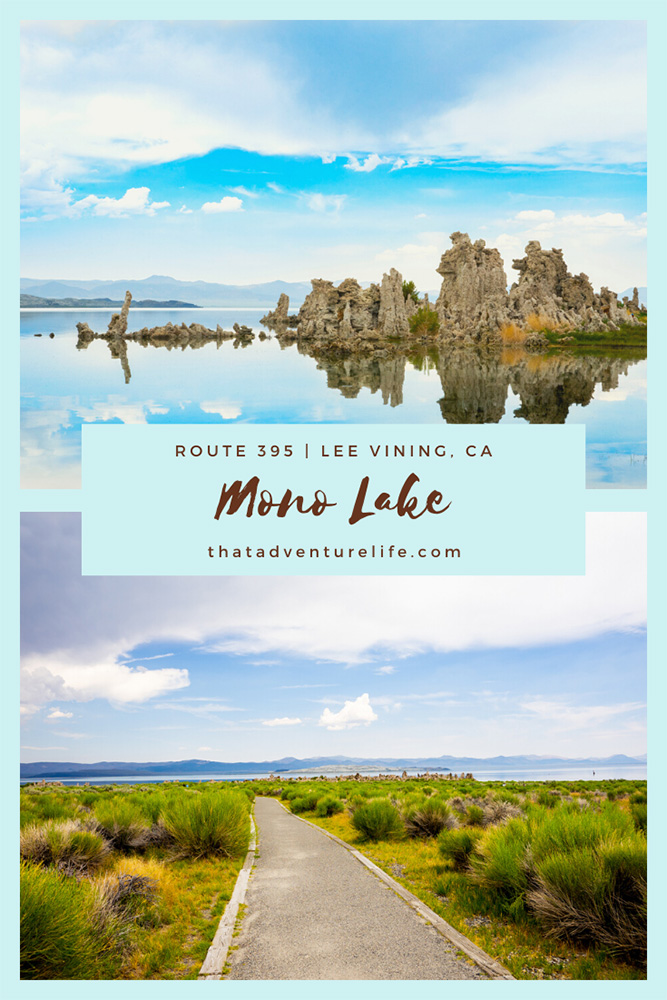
328 805
122 823
378 819
209 823
306 803
475 816
73 849
639 813
425 322
61 937
595 895
428 817
457 845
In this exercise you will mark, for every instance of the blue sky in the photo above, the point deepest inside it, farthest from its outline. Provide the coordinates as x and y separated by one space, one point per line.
259 668
242 152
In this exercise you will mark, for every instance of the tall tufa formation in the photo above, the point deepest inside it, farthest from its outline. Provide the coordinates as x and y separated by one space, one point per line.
548 291
473 295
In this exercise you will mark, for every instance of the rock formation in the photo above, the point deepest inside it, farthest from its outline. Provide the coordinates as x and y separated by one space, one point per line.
473 305
473 294
279 318
547 293
392 314
118 323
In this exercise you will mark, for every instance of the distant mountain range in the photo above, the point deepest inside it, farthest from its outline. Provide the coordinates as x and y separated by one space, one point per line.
163 288
35 302
102 769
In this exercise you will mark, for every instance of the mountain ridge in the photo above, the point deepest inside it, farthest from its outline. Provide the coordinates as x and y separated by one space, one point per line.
53 769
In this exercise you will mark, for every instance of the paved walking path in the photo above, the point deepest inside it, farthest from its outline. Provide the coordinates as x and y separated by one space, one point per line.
314 912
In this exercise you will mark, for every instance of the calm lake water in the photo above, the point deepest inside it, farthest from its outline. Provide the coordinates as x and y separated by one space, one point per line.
63 388
628 771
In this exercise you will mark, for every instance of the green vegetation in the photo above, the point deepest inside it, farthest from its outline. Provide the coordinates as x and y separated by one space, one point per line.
377 819
129 882
424 323
209 823
547 877
122 882
410 292
628 336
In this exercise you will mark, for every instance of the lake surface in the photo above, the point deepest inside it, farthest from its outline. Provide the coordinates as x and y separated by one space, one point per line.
264 382
620 771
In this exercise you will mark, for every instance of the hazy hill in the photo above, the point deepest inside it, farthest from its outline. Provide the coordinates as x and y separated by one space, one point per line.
69 769
161 287
29 301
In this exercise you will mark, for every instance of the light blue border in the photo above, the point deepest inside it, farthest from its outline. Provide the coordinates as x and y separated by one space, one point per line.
654 500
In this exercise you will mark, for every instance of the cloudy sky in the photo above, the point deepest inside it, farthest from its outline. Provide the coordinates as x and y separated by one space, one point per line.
260 668
243 152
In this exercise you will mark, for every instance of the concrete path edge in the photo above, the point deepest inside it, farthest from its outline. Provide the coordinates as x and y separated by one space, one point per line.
487 964
216 956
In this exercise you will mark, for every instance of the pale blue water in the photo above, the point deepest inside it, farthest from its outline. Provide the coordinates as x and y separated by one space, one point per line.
62 388
618 771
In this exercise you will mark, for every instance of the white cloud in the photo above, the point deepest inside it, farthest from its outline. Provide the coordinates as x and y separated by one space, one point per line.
57 714
411 161
285 721
565 106
184 210
226 204
609 247
566 716
85 680
366 166
386 670
543 215
276 187
135 201
244 191
325 202
70 651
228 411
353 713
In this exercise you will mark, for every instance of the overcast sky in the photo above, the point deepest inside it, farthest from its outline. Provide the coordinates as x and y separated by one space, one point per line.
259 668
243 152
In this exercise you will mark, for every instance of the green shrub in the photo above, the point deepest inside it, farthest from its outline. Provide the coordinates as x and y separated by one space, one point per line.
457 845
122 823
410 292
499 861
60 935
424 322
639 812
305 803
378 819
596 895
474 816
66 844
209 823
328 805
427 818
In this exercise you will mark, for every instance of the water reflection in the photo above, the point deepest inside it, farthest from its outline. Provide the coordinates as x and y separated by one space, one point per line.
199 377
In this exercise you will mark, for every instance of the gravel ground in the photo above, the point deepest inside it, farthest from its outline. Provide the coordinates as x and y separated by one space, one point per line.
314 912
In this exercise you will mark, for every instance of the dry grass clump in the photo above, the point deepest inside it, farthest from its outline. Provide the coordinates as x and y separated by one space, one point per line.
66 845
511 333
537 322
